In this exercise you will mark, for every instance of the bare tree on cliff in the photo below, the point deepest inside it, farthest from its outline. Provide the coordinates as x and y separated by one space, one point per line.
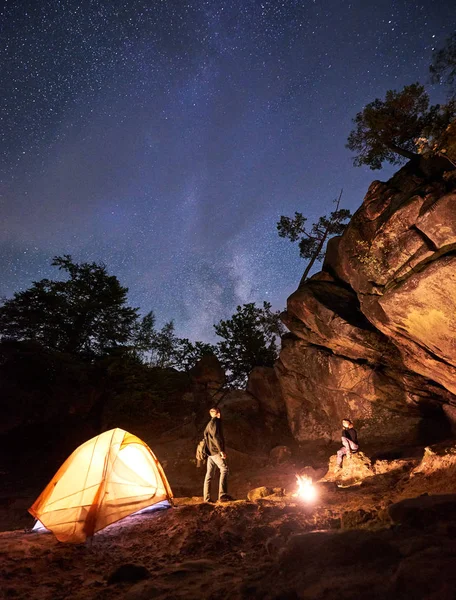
387 130
443 68
312 244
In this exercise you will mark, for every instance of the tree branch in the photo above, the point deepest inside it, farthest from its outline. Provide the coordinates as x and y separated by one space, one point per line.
403 152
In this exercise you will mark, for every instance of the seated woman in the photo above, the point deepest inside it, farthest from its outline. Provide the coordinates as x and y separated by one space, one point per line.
349 442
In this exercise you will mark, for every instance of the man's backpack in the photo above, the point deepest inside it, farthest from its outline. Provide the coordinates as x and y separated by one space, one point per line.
201 453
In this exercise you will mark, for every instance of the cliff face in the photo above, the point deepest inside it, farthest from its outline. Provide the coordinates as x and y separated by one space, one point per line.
373 335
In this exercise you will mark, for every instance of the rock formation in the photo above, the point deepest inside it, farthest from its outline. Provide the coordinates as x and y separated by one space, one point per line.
208 374
373 335
264 386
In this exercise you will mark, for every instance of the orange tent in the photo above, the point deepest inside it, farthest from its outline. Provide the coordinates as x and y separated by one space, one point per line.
106 479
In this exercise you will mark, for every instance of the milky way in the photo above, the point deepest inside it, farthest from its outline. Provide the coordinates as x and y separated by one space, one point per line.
166 138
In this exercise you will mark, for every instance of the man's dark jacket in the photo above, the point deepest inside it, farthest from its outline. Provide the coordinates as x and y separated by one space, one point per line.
213 435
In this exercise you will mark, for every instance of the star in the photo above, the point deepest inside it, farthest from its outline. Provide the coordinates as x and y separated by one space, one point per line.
166 139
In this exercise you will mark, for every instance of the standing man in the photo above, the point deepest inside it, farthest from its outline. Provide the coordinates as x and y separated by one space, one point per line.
349 442
215 444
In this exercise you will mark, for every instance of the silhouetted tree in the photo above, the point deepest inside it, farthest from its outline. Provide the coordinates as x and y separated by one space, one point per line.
249 340
189 353
312 244
438 138
170 351
85 315
443 67
144 335
387 130
163 347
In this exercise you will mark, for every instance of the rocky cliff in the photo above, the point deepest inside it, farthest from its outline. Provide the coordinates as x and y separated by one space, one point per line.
373 335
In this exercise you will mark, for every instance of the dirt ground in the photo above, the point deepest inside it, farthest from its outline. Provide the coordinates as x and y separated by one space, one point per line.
379 529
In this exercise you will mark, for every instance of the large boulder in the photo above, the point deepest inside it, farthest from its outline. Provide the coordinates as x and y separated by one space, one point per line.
373 335
321 388
424 511
242 427
383 241
327 313
264 386
248 428
207 379
208 372
419 315
354 470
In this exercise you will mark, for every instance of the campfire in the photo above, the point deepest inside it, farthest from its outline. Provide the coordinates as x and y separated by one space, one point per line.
306 489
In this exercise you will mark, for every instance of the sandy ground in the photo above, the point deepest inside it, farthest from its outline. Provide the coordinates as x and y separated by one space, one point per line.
359 541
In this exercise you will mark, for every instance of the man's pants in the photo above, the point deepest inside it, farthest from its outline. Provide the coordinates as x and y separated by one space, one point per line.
348 446
214 462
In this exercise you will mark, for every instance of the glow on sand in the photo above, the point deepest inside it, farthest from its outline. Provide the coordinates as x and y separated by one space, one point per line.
306 489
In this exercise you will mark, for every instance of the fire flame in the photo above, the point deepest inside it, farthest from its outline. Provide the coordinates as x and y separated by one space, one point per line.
306 489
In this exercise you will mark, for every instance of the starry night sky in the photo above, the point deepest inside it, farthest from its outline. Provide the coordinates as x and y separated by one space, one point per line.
165 138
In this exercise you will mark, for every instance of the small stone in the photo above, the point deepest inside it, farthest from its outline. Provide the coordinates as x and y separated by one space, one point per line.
259 492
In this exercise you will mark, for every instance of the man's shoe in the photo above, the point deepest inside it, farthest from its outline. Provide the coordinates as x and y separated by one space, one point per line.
209 501
225 498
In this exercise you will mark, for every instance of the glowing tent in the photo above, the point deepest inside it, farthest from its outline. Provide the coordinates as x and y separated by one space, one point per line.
106 479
